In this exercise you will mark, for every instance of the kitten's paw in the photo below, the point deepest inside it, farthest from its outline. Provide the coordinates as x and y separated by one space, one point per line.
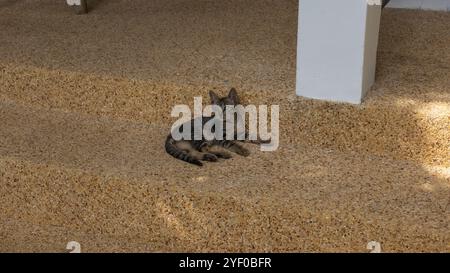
244 152
197 162
210 157
224 155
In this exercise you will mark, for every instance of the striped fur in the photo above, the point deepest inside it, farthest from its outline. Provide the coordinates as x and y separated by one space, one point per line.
173 150
195 151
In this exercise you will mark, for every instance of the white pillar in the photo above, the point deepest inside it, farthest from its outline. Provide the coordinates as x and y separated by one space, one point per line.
336 48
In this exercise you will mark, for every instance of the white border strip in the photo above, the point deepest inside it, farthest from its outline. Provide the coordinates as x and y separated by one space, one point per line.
442 5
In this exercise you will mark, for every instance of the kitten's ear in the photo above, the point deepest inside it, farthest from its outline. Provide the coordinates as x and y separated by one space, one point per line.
214 98
233 96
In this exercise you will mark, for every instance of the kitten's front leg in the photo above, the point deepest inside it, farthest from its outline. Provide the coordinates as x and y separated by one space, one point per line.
204 155
207 153
234 147
219 152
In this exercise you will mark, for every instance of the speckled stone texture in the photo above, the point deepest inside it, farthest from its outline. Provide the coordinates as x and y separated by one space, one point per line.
83 127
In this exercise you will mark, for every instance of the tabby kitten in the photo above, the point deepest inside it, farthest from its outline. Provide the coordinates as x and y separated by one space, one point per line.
196 151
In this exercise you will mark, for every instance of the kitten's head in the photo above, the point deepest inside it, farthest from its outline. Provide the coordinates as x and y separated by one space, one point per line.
232 99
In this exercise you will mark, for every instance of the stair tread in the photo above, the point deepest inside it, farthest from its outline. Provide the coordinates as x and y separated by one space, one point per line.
116 160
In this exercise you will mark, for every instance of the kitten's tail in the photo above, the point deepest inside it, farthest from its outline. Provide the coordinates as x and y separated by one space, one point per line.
173 150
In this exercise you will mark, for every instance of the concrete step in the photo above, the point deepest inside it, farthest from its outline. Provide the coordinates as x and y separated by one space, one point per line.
178 50
409 126
109 185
